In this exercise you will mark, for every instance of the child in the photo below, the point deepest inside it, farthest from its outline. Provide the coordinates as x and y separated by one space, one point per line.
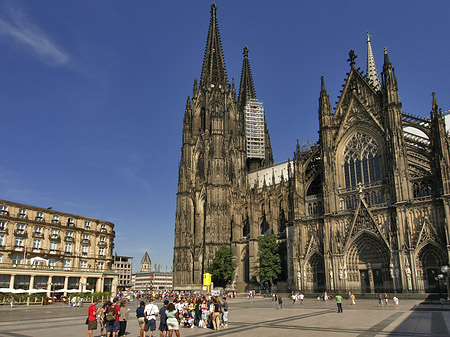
395 299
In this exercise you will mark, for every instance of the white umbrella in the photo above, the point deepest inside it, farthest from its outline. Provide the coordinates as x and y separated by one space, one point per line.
73 291
19 291
35 291
6 290
61 291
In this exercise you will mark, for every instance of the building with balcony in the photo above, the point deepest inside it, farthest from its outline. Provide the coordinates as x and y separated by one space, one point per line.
46 249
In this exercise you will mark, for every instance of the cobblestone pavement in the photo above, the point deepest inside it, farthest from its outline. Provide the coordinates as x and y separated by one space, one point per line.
257 317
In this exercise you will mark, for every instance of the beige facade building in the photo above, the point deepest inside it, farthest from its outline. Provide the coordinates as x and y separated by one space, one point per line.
46 249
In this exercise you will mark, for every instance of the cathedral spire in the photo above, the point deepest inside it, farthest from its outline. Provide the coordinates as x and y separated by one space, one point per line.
213 71
324 105
246 89
371 71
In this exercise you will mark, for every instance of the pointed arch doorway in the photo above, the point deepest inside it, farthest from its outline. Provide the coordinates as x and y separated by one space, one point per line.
368 261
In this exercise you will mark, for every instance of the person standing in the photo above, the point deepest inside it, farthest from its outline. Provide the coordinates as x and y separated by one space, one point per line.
216 314
101 316
198 312
380 301
163 319
92 318
172 321
352 298
204 308
395 299
225 311
339 302
386 300
140 315
151 311
280 303
302 297
123 317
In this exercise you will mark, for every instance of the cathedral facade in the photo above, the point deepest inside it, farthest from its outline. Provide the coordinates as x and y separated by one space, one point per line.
362 210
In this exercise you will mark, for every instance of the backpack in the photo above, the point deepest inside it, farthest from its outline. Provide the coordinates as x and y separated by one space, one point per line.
110 315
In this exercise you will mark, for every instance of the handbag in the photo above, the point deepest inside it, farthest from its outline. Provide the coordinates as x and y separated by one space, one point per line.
87 320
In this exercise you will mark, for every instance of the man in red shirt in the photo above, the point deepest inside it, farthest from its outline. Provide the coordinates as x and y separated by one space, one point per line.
113 327
92 318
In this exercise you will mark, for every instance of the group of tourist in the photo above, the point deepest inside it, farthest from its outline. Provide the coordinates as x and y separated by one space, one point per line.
194 311
112 316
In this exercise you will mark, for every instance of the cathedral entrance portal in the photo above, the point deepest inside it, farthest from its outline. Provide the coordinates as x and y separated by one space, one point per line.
430 260
317 271
368 264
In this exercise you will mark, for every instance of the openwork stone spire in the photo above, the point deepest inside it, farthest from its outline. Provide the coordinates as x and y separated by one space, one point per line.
371 72
213 71
247 89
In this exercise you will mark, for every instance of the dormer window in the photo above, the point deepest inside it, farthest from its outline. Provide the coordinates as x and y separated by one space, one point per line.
55 219
22 213
87 225
70 222
103 228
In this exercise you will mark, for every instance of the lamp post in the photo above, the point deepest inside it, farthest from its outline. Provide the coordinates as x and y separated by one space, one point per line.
446 274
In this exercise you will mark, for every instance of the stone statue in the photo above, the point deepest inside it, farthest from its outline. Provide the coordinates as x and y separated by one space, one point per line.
391 268
408 276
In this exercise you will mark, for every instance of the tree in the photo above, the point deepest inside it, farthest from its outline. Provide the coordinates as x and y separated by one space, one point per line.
222 267
269 258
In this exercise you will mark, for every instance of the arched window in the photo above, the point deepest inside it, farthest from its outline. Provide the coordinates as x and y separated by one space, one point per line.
361 160
201 167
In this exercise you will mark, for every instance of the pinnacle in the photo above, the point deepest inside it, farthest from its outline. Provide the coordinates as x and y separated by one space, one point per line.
213 70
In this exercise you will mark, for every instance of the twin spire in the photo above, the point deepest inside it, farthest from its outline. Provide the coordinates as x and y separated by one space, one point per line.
247 89
214 71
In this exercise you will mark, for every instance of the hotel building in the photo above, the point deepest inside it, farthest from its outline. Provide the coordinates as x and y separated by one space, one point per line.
46 249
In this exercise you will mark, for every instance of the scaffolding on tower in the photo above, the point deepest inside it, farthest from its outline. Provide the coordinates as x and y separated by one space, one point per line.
254 129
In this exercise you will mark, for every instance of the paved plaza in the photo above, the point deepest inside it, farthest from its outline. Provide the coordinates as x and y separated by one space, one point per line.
256 317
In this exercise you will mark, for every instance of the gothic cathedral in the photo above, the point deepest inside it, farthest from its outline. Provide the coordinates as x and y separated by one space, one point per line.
362 210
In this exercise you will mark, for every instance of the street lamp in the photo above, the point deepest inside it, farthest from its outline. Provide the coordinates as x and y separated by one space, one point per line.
446 273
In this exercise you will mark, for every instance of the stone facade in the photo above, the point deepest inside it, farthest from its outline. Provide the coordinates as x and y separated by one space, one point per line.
364 209
45 249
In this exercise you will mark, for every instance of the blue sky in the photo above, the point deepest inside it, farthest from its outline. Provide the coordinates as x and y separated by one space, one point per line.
92 93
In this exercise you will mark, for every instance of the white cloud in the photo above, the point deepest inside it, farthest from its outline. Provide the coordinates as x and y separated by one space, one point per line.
18 27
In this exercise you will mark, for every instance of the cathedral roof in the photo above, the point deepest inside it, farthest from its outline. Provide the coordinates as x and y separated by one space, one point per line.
213 70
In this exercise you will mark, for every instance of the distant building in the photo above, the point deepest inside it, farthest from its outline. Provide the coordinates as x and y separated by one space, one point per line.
146 279
124 266
146 263
45 249
157 267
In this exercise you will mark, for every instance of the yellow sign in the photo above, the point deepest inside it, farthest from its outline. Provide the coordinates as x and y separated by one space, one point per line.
206 279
